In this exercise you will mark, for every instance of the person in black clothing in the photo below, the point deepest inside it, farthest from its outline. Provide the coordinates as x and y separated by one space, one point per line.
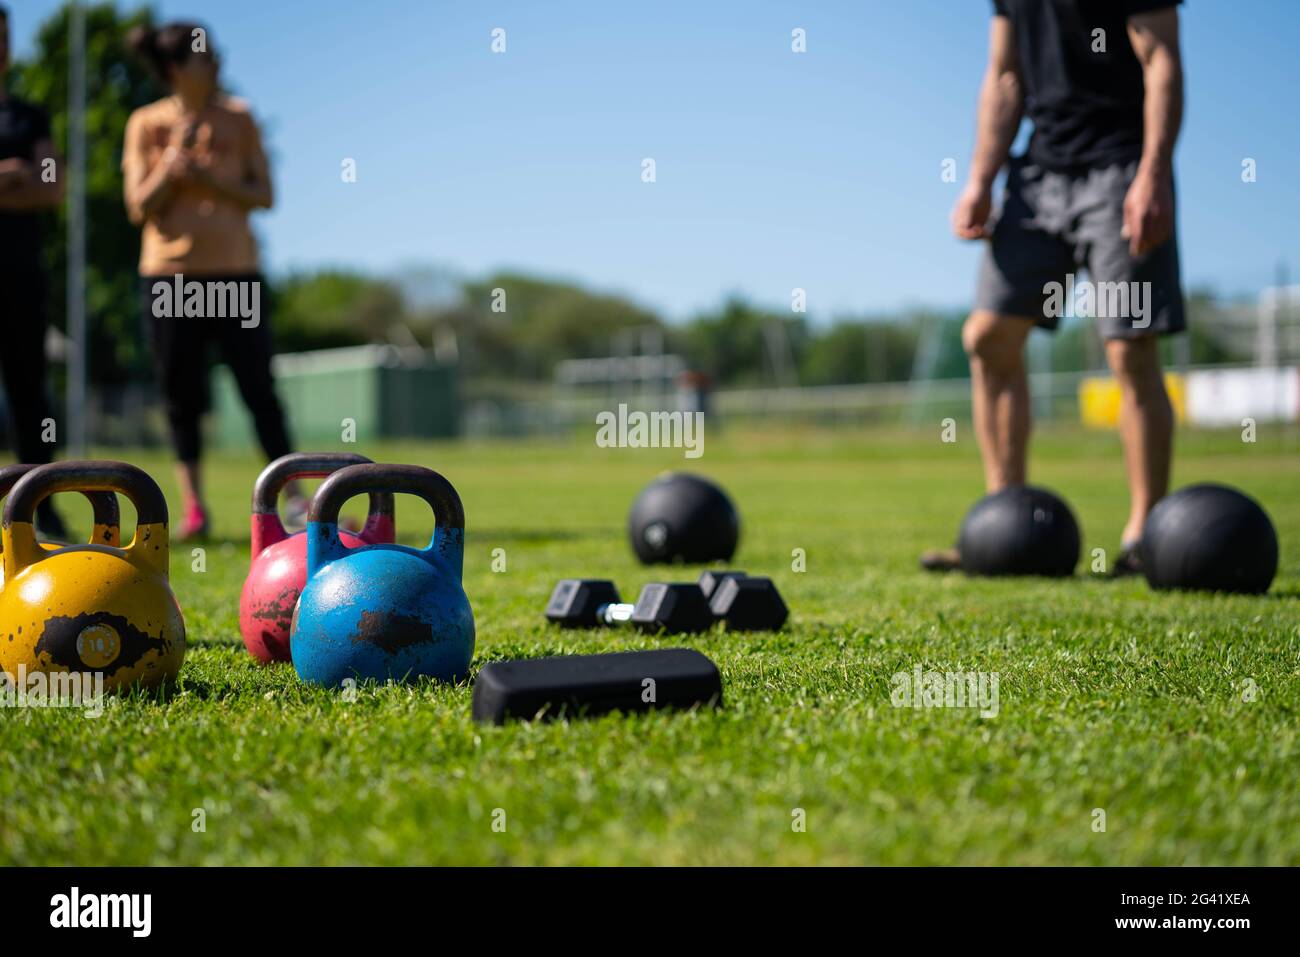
31 179
1102 82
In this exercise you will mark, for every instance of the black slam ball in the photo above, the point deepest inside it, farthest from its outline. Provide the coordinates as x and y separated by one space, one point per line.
683 518
1019 531
1209 538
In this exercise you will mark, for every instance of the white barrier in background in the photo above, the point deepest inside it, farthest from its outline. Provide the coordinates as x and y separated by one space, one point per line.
1226 396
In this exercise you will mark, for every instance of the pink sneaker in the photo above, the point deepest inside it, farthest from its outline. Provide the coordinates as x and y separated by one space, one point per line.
195 526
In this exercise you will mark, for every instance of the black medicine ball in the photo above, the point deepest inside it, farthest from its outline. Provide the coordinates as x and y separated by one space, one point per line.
1209 538
683 518
1019 531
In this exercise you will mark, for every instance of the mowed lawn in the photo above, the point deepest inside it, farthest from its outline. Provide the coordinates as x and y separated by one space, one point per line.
1175 715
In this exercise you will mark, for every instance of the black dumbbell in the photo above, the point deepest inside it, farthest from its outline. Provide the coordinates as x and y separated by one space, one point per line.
740 602
710 580
591 603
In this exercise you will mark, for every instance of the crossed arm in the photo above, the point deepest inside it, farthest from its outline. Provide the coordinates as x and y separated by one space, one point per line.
24 184
149 190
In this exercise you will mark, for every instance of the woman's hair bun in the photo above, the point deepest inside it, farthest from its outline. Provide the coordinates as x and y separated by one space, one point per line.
142 41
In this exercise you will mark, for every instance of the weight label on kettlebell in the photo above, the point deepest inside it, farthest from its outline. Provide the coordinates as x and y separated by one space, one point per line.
98 646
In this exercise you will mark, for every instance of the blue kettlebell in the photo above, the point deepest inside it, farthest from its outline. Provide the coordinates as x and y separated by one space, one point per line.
383 611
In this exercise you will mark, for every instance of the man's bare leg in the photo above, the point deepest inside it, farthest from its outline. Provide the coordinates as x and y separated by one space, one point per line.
999 406
999 394
1146 427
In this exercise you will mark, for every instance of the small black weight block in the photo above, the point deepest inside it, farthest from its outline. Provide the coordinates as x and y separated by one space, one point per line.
584 685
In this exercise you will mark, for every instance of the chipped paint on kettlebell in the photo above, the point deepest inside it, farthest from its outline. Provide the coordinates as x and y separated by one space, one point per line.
278 560
383 611
90 609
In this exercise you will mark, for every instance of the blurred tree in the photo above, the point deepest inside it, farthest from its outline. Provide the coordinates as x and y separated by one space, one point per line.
333 308
939 333
1206 321
727 345
115 85
536 323
1070 346
743 345
852 351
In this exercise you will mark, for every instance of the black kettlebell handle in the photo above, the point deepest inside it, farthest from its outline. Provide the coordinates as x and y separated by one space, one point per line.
104 504
86 476
409 479
296 465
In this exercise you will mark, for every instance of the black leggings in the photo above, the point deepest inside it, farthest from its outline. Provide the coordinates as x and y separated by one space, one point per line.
22 361
180 349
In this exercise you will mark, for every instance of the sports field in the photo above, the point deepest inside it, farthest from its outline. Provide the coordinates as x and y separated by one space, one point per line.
1175 715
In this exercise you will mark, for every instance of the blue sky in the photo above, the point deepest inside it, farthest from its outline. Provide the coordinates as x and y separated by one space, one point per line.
775 170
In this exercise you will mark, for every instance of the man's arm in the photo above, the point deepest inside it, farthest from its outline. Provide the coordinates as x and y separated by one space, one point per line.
252 192
251 189
1149 205
1001 106
24 184
146 191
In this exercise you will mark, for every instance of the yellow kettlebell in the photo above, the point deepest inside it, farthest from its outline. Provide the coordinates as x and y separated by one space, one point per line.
106 529
89 608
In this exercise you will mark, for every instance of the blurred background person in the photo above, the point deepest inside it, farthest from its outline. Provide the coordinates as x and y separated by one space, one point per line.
193 169
31 180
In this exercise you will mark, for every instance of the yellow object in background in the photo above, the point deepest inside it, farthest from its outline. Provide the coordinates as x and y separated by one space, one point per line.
1099 400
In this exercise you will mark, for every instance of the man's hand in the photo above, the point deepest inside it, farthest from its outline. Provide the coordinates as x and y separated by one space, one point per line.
1148 212
178 161
970 215
177 164
13 173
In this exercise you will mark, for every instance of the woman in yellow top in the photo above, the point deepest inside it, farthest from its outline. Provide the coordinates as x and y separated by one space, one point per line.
193 169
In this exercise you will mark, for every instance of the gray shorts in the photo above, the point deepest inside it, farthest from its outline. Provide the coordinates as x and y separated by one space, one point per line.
1049 226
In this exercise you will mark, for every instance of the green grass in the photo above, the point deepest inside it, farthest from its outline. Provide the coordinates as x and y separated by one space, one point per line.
1111 696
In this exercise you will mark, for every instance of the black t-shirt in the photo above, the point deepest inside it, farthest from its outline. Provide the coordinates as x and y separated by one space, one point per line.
22 126
1083 89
